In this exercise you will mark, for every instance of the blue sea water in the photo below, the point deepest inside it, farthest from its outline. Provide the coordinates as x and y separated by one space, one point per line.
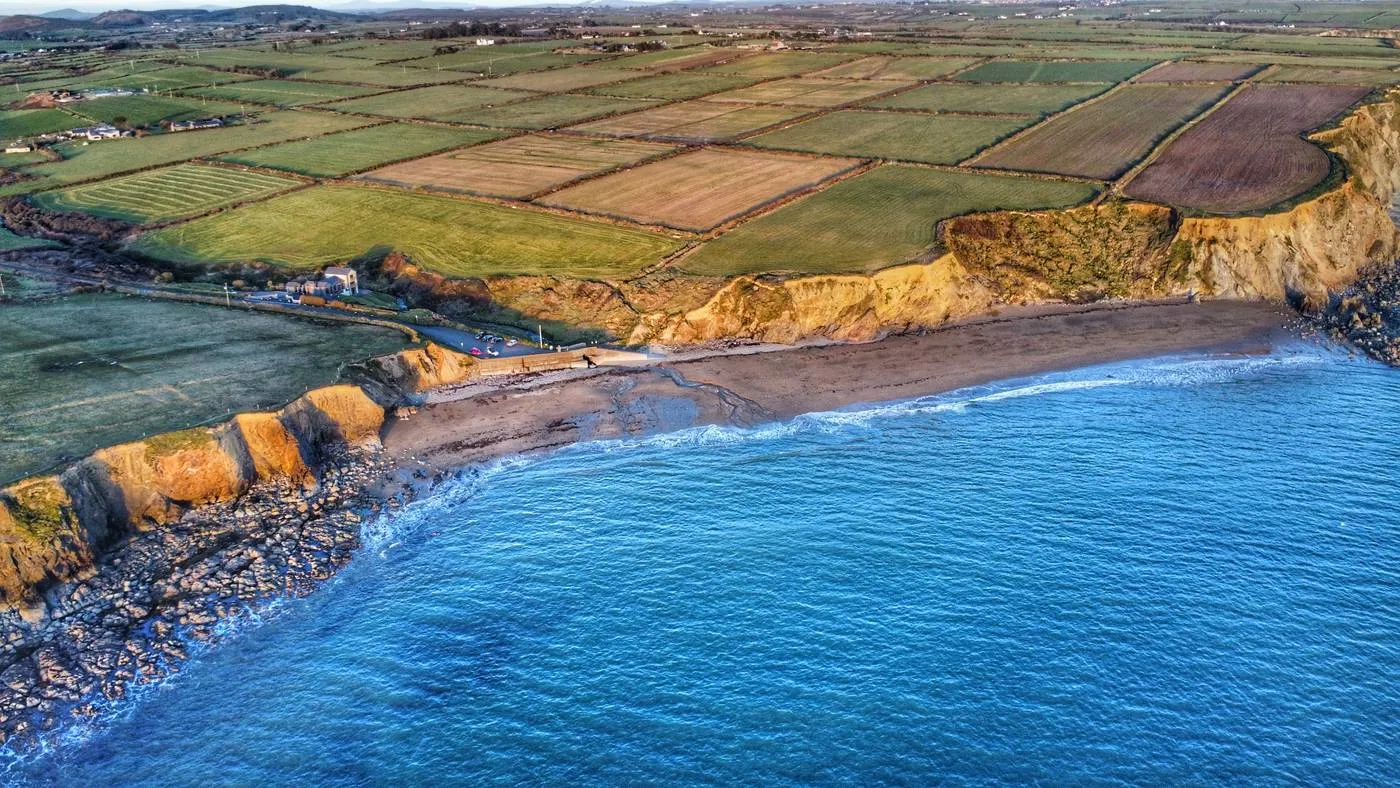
1179 571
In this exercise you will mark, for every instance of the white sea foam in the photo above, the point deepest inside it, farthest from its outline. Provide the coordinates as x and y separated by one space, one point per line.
1166 371
381 534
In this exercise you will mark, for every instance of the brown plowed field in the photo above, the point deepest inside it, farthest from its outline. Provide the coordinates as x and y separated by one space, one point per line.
1199 72
698 191
1249 154
517 167
1104 139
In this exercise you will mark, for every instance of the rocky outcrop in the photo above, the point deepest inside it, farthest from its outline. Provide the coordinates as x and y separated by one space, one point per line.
52 528
387 378
41 537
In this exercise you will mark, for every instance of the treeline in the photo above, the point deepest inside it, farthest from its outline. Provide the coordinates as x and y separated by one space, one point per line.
461 29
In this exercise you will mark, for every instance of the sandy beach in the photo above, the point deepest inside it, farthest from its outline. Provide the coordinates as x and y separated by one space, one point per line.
745 387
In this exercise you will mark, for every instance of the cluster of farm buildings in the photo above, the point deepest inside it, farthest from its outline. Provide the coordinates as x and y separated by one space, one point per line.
334 281
102 131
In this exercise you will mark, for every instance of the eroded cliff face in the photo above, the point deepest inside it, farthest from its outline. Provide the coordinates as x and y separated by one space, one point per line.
1113 249
1300 256
1322 244
851 307
52 528
41 537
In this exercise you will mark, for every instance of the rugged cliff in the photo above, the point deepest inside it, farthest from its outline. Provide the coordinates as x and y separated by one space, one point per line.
1111 249
53 527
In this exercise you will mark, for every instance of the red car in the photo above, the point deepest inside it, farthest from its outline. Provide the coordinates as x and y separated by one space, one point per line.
476 351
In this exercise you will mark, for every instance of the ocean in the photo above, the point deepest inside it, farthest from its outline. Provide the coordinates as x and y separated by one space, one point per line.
1173 571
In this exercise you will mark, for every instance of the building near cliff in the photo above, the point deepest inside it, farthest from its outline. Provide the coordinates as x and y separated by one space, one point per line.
335 281
348 279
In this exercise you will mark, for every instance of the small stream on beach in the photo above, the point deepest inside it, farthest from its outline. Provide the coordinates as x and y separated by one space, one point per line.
1180 570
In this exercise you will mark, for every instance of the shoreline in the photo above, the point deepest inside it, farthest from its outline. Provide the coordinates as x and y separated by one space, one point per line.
151 598
748 386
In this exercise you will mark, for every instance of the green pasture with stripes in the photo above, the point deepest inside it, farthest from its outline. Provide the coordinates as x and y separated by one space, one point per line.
169 193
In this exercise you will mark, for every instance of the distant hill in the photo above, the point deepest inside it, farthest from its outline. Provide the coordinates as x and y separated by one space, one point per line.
269 13
122 19
254 14
23 23
71 14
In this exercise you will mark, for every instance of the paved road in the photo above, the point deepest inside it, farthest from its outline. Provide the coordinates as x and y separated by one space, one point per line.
463 341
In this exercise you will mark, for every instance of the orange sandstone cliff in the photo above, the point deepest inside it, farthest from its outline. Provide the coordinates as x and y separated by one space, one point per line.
52 528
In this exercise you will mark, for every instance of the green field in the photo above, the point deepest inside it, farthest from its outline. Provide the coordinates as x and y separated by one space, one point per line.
987 98
693 121
561 80
470 55
682 85
10 242
897 69
391 76
27 122
550 112
1053 71
934 139
151 76
112 157
810 91
286 63
313 227
502 60
159 195
672 59
886 216
150 110
1334 76
777 64
82 372
339 154
281 92
458 103
170 78
381 51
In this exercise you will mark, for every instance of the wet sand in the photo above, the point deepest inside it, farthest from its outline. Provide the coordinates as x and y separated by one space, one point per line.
744 387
